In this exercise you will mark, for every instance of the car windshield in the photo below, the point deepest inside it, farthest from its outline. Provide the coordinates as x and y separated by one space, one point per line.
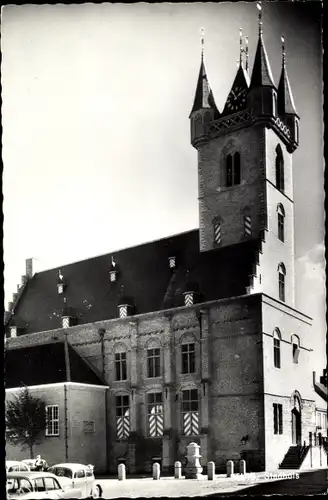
61 472
18 486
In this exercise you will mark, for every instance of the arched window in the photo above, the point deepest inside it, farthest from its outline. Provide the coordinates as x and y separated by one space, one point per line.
233 169
281 222
280 179
296 348
276 348
281 281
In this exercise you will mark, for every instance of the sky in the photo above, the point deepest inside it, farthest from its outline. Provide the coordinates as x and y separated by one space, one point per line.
96 136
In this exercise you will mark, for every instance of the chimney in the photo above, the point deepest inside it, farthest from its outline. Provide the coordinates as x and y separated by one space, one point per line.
29 268
10 306
24 280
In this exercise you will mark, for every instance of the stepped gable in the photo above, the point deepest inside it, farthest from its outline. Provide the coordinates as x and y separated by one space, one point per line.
45 364
146 276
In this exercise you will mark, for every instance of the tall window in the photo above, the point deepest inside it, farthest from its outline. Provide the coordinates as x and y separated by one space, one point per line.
296 348
277 418
276 348
280 174
190 409
217 231
281 222
155 414
233 169
281 281
154 362
120 366
52 428
188 358
122 417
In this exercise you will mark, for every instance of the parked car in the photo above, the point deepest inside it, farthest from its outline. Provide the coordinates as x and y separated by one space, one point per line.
37 485
31 463
15 466
80 476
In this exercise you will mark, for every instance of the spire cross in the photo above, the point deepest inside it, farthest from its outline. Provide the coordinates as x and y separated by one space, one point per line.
283 50
246 51
259 8
202 42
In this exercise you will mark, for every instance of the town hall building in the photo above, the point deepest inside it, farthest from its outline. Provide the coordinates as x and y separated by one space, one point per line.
194 337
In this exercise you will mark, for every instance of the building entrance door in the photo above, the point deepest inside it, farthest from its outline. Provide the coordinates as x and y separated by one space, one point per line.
296 427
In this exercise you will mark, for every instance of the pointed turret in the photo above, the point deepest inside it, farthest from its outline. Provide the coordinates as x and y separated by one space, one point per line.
204 108
236 100
286 103
286 106
263 92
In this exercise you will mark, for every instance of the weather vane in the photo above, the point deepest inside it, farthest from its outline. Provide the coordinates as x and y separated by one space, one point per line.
283 49
202 41
246 51
241 46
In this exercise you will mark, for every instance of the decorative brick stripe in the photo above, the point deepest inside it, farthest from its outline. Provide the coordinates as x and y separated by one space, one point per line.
123 426
156 421
248 225
190 423
217 233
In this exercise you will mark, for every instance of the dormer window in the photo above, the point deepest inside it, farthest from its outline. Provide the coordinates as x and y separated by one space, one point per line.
66 321
189 299
112 276
13 331
123 311
233 169
172 262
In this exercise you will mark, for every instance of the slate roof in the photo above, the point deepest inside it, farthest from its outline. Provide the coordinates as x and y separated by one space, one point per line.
45 364
261 74
286 104
146 277
204 96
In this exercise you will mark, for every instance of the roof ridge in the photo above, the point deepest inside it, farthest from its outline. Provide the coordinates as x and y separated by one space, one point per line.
120 250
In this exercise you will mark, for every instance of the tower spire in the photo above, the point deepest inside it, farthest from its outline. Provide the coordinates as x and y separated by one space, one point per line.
286 103
261 75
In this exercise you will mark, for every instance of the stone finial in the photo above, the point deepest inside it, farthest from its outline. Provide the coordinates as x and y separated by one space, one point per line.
193 468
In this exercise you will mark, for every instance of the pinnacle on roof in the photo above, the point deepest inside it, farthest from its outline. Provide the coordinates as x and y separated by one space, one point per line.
203 97
261 75
286 103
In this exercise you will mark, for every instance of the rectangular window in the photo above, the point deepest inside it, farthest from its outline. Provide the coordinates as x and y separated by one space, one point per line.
188 355
190 412
276 353
319 419
52 413
324 421
277 418
154 363
247 225
120 366
155 414
122 417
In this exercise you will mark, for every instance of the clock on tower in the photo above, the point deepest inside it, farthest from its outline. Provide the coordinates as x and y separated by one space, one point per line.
236 99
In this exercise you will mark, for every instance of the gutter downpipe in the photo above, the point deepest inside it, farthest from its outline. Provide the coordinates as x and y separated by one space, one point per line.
68 377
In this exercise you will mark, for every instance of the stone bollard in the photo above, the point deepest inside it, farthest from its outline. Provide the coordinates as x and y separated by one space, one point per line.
229 468
193 468
156 471
210 471
177 470
242 467
121 472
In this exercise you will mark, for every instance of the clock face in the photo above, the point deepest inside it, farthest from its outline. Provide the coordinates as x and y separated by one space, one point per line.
237 98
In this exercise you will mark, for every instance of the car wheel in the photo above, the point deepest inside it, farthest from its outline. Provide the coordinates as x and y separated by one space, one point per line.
96 492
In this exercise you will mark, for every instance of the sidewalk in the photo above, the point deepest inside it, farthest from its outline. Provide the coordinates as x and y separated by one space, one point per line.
170 487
